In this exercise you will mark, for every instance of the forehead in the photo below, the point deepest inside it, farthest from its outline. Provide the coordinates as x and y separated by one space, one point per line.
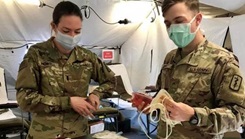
178 10
70 21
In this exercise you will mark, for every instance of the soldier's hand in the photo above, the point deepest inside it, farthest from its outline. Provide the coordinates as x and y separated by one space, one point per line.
81 106
178 111
94 100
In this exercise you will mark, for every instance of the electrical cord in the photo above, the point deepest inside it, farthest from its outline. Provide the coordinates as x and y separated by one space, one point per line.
87 11
25 45
42 4
157 1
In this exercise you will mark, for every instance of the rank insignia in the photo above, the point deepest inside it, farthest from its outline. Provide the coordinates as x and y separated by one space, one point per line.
236 82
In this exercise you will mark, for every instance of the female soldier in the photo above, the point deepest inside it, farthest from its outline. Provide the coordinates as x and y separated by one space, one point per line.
54 76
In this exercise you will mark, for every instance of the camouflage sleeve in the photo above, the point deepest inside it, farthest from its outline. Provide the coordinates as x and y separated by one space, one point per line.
29 96
167 60
229 112
105 77
159 81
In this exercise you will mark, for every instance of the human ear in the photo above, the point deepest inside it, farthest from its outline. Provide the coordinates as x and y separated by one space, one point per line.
53 26
198 19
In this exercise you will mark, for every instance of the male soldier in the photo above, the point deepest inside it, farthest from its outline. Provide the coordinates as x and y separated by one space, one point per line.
203 79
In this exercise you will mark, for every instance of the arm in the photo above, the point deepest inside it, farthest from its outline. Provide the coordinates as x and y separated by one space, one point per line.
105 77
29 96
163 84
229 112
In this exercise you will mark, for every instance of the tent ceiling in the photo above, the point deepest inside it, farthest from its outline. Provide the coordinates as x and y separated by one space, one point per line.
23 22
218 8
236 6
26 22
208 10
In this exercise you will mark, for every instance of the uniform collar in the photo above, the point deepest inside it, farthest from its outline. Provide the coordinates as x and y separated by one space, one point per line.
56 55
75 56
193 57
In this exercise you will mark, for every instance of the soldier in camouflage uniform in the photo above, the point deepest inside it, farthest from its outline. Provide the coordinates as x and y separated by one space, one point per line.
54 77
203 79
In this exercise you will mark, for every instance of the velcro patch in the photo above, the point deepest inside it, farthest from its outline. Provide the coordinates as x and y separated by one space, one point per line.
199 70
236 82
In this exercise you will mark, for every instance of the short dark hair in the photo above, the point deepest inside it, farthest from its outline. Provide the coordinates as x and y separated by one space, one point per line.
193 5
65 8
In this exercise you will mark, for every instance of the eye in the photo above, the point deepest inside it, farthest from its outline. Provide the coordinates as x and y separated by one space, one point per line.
77 32
179 21
66 31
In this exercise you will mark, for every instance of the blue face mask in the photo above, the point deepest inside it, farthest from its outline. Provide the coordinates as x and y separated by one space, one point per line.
66 41
181 34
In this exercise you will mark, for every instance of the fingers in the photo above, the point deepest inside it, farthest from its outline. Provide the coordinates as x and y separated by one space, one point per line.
90 107
129 99
83 106
141 106
95 104
90 114
171 107
94 101
86 110
169 103
146 111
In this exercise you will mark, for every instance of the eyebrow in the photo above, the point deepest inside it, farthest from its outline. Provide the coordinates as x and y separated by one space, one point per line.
174 18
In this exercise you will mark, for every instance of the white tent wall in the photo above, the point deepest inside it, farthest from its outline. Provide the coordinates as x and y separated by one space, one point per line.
215 29
237 32
143 68
135 55
24 23
10 60
161 46
99 33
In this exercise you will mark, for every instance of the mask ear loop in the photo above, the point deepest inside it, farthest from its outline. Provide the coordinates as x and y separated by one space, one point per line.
191 23
193 19
164 116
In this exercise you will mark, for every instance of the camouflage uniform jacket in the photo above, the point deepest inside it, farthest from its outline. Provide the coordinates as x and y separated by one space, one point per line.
209 80
46 81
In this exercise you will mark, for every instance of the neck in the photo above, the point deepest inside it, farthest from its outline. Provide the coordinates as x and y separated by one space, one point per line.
61 49
193 45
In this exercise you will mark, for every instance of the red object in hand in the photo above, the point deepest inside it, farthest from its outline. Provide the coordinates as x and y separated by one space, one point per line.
138 98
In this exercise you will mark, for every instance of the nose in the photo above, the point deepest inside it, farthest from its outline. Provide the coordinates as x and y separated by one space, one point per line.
72 33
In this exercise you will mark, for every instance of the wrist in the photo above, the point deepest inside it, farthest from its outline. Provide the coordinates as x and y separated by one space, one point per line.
95 93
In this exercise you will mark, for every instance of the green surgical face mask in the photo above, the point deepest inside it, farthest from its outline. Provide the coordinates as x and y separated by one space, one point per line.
181 34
